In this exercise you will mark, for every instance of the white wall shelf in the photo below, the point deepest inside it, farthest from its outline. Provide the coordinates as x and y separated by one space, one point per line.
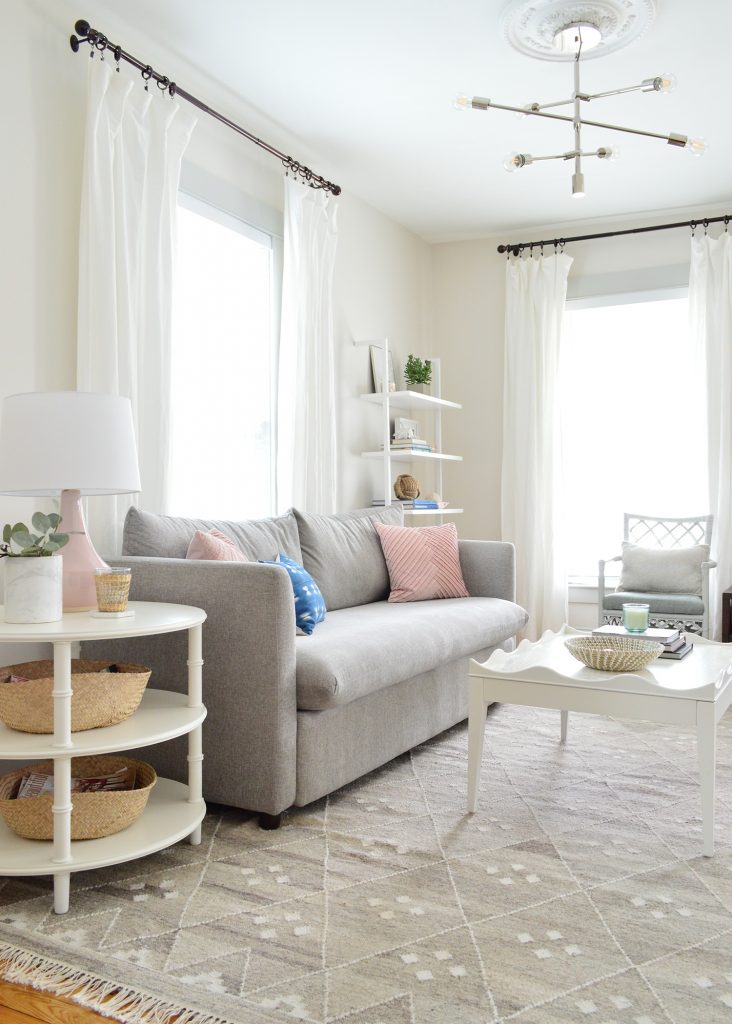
397 456
433 511
410 400
414 401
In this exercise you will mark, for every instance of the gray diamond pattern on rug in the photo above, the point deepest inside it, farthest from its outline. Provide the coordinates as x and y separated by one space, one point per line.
576 893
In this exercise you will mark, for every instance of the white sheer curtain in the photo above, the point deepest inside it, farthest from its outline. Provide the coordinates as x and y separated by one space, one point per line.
536 290
710 312
133 149
306 429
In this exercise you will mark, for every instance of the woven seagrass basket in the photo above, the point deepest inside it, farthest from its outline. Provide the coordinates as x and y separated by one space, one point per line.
99 698
613 653
94 815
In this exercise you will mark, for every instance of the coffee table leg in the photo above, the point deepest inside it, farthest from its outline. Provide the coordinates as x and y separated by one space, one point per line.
563 727
706 735
476 733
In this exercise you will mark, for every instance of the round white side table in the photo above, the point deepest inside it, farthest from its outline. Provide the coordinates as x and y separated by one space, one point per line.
173 812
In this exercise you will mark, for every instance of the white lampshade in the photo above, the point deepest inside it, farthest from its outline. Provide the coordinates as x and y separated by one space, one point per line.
67 440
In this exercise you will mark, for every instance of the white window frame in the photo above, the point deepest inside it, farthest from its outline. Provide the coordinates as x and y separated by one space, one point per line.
219 201
579 590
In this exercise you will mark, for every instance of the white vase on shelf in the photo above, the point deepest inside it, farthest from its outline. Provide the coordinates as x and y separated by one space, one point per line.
33 589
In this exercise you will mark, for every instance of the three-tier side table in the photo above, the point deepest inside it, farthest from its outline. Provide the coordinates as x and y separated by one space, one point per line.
174 811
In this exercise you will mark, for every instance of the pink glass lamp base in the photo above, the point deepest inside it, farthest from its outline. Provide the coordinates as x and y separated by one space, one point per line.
79 555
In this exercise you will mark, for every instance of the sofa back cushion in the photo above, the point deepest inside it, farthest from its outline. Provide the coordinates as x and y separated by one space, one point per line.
154 536
343 554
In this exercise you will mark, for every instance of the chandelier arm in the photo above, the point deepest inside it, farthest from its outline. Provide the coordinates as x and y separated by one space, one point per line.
617 92
481 103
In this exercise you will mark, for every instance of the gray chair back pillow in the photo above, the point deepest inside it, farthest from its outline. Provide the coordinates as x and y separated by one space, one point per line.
343 554
154 536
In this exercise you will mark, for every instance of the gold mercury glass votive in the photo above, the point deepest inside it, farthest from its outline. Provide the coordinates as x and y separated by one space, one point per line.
113 588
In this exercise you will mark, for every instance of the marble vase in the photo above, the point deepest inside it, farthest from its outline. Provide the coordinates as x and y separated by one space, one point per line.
33 589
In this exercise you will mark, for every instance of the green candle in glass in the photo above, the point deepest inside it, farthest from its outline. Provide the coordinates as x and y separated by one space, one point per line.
635 617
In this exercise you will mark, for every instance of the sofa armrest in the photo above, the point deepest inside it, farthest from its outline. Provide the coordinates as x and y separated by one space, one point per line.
489 568
249 735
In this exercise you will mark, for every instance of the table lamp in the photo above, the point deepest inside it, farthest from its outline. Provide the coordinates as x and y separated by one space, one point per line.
74 443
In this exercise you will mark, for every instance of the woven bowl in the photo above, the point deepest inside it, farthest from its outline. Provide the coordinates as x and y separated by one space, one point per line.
99 698
613 653
94 815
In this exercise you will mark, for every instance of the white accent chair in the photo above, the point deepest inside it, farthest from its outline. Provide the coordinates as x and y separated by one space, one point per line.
688 612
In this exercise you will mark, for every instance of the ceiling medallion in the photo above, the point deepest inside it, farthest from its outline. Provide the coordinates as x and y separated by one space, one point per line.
593 29
531 26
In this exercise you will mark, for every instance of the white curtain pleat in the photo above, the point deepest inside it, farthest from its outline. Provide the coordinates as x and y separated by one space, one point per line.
710 313
536 292
134 144
306 407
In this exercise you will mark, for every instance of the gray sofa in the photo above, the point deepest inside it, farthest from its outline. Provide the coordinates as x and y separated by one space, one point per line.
291 718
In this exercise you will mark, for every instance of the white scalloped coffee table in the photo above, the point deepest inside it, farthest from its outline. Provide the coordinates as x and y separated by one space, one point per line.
694 692
174 811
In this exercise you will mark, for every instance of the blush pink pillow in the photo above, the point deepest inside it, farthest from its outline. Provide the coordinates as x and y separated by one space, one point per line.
214 546
423 562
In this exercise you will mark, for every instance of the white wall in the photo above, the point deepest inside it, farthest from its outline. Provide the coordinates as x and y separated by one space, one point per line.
468 306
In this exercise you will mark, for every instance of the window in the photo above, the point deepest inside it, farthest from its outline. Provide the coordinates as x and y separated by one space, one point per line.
223 365
633 430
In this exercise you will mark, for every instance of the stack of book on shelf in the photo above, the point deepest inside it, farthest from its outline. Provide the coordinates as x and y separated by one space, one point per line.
410 444
675 644
410 504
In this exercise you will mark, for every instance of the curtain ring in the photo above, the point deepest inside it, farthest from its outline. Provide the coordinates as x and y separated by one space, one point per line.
726 222
146 76
692 225
163 84
562 243
556 243
706 225
118 55
542 250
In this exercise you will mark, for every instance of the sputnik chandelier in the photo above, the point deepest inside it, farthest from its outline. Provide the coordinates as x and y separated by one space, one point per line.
558 30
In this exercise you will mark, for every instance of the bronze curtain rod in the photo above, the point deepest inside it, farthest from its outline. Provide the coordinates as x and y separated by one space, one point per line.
98 41
516 248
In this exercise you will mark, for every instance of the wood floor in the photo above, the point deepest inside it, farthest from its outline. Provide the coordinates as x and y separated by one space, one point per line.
20 1005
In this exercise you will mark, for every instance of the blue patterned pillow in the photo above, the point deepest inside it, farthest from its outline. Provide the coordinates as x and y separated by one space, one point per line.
309 603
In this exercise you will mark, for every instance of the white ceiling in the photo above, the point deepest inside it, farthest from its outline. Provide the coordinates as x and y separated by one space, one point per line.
369 86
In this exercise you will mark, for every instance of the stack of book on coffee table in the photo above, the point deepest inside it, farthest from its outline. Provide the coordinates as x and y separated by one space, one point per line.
675 644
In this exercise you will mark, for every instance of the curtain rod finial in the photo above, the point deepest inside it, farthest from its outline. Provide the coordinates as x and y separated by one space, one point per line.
82 27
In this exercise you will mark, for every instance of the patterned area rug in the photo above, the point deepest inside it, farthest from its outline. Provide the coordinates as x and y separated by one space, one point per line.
576 893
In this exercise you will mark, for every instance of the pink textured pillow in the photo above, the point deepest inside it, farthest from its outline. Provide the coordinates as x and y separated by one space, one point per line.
214 546
423 562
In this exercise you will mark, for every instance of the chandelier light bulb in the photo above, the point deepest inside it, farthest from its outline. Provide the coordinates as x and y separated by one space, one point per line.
515 160
665 83
697 147
462 102
609 152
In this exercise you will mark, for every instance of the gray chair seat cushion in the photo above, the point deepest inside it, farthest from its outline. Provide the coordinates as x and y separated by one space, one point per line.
357 651
668 604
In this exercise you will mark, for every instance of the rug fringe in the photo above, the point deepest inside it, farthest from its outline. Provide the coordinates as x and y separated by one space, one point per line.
107 998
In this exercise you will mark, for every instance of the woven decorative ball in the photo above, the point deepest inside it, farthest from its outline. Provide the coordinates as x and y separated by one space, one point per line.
99 698
94 814
613 653
406 486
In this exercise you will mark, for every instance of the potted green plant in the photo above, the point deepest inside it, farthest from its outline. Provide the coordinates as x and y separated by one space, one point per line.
33 579
418 374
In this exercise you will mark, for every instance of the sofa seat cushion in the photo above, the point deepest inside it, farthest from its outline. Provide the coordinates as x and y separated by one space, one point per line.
661 604
357 651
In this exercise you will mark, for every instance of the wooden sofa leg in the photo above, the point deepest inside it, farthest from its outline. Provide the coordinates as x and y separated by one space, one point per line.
269 822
